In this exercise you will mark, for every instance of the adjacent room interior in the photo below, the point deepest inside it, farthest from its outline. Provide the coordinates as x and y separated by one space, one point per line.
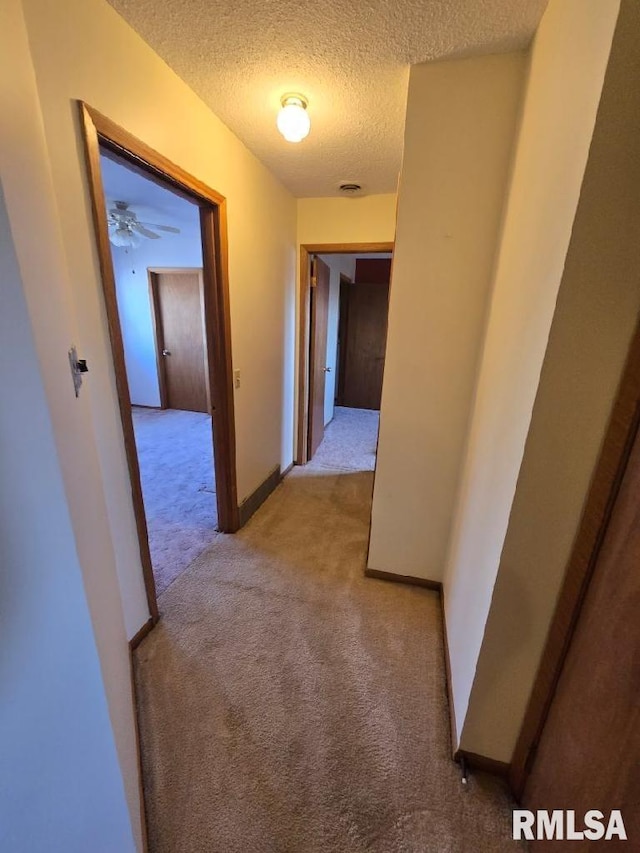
156 250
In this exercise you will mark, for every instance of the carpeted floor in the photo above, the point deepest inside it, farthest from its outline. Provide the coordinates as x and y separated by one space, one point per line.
290 705
350 441
175 453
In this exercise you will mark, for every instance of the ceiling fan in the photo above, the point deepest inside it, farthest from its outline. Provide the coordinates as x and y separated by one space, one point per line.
126 230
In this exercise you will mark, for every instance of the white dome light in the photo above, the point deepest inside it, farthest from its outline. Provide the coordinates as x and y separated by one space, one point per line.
124 237
293 119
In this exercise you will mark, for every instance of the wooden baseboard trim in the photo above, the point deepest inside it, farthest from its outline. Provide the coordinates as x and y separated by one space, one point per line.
391 576
484 764
135 641
258 497
453 727
472 759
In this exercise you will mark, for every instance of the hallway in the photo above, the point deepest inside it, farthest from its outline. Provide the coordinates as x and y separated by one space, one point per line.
287 703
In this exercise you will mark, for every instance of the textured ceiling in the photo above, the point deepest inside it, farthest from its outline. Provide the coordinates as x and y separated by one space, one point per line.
350 58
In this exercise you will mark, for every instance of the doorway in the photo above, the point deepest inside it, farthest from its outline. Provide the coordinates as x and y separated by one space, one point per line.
184 301
362 333
343 321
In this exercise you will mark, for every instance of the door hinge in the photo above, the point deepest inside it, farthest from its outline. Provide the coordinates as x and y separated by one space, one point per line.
314 278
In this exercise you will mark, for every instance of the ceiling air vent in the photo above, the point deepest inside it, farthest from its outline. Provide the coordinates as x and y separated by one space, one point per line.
350 188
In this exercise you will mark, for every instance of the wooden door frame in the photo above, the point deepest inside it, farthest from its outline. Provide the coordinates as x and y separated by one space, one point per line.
100 132
603 491
313 313
304 320
343 327
158 332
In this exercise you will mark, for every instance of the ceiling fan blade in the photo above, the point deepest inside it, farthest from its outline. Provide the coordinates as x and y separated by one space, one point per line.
137 226
168 228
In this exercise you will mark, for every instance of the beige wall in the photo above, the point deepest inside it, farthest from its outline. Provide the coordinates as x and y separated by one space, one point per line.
79 49
569 58
59 759
598 305
33 218
461 122
369 219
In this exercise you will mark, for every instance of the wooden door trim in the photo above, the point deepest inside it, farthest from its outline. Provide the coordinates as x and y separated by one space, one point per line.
158 331
312 348
343 332
304 320
217 313
317 380
203 317
146 160
605 485
99 131
158 334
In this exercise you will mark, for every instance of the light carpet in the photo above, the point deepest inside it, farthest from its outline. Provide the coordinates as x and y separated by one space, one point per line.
175 454
350 440
290 705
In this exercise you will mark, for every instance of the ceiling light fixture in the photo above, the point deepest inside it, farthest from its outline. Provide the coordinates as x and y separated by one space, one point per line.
293 119
124 237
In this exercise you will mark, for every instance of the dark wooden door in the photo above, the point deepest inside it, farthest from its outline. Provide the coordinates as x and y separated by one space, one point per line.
318 353
363 349
589 752
180 340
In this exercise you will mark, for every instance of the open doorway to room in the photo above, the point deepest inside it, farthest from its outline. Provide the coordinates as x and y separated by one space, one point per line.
156 252
345 298
161 239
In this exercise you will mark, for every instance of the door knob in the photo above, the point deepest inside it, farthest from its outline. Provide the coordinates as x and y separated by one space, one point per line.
166 352
327 370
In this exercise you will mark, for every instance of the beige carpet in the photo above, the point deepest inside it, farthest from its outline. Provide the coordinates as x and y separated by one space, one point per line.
350 441
175 454
290 705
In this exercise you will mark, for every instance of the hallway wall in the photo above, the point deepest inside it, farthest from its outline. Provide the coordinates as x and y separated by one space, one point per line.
568 62
459 136
79 502
595 317
366 219
60 781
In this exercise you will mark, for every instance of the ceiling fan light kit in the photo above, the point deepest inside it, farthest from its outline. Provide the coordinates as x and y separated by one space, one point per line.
293 119
125 229
124 238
